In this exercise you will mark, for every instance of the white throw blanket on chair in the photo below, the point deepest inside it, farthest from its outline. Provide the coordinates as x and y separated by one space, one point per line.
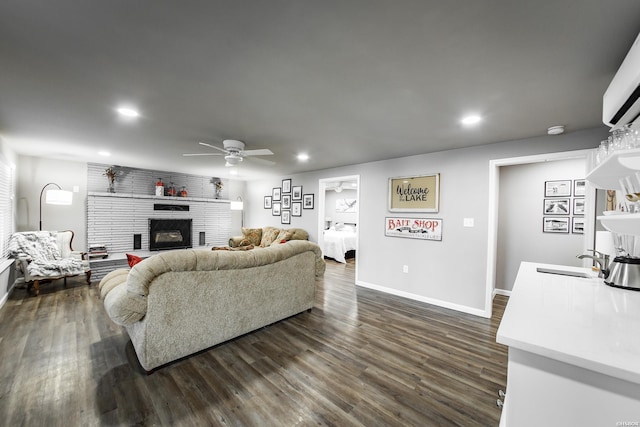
41 249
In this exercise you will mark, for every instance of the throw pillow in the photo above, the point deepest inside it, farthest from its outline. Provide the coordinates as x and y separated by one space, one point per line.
269 234
253 235
283 237
133 260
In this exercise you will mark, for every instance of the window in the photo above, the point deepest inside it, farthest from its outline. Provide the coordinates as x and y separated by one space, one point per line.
6 205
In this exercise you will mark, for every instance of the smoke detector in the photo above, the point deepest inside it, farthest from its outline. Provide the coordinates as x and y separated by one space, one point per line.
555 130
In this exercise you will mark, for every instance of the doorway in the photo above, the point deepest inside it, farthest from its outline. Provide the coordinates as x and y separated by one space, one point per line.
338 217
494 203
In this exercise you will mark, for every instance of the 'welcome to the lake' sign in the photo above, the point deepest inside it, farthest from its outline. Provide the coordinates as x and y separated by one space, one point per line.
414 194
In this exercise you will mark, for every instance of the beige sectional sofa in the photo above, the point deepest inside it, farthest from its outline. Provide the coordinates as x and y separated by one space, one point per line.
177 303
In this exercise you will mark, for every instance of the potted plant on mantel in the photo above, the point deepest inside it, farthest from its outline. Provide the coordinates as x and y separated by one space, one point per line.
111 173
217 183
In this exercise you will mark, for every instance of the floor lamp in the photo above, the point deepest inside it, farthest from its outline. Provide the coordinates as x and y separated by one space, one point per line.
55 197
238 206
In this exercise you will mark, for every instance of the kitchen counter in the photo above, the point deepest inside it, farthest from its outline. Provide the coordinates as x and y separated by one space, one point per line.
574 350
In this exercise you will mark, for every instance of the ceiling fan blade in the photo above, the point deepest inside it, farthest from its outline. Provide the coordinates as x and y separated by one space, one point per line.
202 154
261 161
260 152
213 146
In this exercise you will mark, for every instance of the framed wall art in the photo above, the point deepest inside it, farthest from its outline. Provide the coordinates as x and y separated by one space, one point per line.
286 201
276 208
560 188
267 202
285 218
555 225
414 193
577 226
307 201
296 209
286 186
556 206
296 192
579 187
414 228
578 206
276 194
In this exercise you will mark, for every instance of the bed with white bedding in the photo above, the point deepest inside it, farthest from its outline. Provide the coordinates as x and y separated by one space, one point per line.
338 240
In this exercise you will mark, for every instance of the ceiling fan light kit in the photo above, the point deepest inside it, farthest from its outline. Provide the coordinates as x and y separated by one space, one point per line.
234 153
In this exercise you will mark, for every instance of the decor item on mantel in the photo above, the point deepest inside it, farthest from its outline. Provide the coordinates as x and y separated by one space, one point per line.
111 172
217 182
171 191
183 192
159 188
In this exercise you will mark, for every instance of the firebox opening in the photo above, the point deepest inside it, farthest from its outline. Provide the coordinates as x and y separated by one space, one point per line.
169 234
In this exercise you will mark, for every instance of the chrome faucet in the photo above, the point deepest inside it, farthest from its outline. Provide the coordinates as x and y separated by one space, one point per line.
601 259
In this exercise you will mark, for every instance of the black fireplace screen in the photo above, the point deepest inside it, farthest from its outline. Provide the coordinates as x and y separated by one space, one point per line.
169 234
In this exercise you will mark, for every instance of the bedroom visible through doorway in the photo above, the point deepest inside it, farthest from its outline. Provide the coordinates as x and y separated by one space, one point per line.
338 217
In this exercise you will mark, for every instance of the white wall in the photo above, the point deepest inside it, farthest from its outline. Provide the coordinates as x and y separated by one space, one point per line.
520 236
451 273
33 173
331 197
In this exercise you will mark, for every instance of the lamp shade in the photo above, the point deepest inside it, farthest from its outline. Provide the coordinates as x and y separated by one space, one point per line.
59 197
237 205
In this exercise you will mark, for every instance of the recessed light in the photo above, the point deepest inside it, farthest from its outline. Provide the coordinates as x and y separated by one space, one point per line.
471 119
128 112
104 153
303 157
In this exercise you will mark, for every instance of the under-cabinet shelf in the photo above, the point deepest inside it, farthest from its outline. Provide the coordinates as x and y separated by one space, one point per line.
617 165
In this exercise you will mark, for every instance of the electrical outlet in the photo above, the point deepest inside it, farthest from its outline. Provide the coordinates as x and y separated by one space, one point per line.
468 222
405 268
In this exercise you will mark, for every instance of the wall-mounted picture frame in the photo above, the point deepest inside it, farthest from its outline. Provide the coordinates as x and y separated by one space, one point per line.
555 225
578 206
285 218
307 201
276 208
414 193
267 202
286 186
577 225
296 209
579 187
276 194
560 188
414 228
296 192
556 206
286 201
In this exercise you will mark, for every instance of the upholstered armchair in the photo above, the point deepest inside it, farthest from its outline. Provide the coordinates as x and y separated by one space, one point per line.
47 255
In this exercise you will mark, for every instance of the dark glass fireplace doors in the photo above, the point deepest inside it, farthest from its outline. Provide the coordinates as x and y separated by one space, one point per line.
169 234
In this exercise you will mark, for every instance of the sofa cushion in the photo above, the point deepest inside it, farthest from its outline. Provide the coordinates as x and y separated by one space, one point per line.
269 234
133 259
283 237
252 235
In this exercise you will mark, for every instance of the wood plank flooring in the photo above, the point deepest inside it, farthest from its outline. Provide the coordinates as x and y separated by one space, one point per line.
360 358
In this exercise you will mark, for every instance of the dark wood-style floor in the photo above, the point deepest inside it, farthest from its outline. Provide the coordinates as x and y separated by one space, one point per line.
360 358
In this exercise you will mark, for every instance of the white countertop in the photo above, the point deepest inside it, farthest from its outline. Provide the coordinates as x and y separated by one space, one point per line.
580 321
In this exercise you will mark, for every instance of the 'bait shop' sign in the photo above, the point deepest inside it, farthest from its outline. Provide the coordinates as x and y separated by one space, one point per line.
414 228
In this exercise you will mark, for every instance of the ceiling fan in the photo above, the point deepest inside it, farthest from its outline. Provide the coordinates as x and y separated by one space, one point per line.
235 153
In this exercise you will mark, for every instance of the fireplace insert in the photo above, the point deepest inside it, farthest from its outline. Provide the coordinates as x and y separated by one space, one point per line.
169 234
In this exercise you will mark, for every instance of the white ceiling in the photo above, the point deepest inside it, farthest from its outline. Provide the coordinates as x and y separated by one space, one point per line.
346 81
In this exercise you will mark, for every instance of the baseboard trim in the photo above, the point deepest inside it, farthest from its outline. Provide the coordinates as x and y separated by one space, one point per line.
501 292
421 298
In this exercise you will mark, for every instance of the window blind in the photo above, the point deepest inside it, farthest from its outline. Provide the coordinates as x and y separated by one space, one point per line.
6 205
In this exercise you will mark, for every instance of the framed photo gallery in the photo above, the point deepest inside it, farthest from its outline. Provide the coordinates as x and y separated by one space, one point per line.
563 206
288 201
